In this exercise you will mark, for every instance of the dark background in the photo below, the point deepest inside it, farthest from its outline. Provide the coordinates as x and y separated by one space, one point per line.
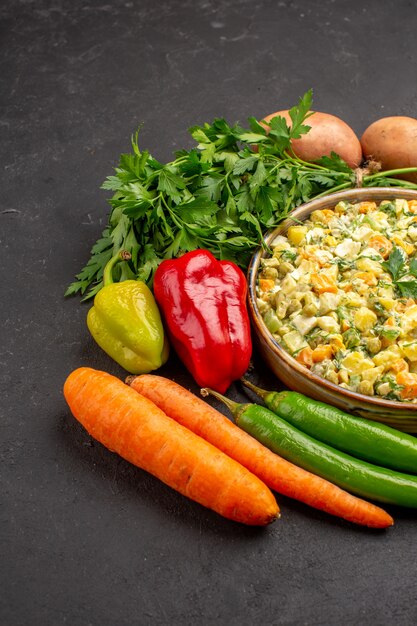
87 539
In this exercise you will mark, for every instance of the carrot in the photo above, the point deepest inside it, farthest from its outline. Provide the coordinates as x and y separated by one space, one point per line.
381 244
140 432
266 284
368 277
399 365
365 207
323 283
279 474
305 356
409 383
322 352
344 325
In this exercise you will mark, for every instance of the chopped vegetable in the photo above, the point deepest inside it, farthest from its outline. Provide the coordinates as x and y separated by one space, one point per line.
137 430
203 303
349 294
360 437
280 475
126 323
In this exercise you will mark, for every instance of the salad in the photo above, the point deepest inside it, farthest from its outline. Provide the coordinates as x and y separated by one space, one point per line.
339 294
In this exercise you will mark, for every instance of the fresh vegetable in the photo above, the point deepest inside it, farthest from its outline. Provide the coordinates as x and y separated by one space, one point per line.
280 475
362 438
125 322
393 142
359 477
137 430
328 134
222 195
203 303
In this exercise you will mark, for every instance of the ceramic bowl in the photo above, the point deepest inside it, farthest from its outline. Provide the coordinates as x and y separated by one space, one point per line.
401 415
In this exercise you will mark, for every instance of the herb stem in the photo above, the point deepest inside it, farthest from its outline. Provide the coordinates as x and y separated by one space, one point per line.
297 160
388 173
334 190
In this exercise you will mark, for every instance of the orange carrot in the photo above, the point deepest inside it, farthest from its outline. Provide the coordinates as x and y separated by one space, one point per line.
381 244
368 277
140 432
365 207
266 284
305 356
399 365
276 472
323 283
409 383
322 352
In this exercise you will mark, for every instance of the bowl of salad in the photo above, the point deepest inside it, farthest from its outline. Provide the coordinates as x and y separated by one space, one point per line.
333 302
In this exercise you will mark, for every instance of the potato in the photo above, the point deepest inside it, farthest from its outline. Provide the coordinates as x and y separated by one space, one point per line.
393 142
327 134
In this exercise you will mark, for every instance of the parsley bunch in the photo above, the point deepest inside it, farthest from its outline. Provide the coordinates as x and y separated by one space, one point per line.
222 195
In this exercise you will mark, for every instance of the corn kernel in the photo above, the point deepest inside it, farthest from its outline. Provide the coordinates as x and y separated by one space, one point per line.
364 319
296 234
355 362
410 350
365 264
372 374
330 241
323 215
407 247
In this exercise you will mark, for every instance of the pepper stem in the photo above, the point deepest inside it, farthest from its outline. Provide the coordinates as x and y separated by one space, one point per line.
234 407
121 255
262 393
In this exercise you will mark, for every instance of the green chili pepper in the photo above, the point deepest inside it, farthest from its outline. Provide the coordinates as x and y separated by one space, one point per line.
125 322
360 437
359 477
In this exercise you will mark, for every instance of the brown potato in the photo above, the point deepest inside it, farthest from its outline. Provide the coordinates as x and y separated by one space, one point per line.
393 142
328 134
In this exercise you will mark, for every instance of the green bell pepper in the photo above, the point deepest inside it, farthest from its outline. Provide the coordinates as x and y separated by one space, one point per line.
126 324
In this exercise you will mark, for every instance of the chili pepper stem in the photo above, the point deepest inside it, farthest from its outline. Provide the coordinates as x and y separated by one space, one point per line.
262 393
235 408
122 255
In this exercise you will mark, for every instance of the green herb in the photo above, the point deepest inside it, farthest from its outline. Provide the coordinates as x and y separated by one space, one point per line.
407 288
403 274
351 338
374 302
343 313
396 262
343 264
288 255
223 195
387 332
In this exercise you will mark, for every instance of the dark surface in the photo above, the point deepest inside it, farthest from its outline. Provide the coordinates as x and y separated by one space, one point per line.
85 537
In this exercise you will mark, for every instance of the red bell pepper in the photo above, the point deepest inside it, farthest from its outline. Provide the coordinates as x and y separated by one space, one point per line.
203 303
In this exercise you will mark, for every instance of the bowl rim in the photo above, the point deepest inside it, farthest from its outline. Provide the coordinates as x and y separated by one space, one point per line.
261 252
